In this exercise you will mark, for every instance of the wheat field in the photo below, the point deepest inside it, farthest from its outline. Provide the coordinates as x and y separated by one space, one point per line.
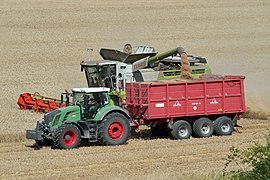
42 43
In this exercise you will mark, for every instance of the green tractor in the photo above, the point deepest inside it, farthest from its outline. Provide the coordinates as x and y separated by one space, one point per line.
91 117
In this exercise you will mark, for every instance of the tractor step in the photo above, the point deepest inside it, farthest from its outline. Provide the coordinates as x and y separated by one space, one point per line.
93 132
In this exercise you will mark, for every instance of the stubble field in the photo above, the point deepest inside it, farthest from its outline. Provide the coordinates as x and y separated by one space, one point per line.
43 42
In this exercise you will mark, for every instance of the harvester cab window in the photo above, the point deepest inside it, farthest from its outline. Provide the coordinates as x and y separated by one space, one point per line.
108 74
93 77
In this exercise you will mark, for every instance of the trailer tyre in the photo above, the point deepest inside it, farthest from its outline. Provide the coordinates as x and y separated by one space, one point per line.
223 126
181 130
67 136
203 127
114 130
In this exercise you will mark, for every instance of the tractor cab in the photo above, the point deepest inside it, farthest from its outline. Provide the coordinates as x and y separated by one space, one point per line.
90 99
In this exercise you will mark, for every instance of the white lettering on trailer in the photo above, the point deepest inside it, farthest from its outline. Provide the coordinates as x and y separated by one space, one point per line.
160 105
214 101
177 104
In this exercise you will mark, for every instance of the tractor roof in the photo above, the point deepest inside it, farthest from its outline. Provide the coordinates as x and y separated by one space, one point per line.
91 89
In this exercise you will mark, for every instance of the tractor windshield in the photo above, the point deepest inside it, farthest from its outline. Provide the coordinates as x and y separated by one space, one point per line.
95 100
93 97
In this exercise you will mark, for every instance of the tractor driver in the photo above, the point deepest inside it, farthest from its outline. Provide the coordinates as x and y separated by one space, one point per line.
94 103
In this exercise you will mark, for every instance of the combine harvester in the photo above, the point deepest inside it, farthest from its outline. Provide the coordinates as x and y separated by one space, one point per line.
204 106
130 64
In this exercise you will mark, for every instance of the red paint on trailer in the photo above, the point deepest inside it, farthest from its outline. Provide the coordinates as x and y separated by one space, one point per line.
201 97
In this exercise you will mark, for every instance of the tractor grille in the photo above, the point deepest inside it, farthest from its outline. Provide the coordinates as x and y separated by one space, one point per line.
48 117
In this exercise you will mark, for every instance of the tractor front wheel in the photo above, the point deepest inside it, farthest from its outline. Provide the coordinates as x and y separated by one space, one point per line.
114 130
67 136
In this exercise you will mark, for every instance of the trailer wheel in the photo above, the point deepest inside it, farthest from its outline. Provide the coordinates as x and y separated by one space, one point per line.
114 130
203 127
181 130
67 136
223 126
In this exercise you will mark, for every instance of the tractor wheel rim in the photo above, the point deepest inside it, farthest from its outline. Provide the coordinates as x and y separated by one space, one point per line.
205 128
183 131
116 131
69 138
225 127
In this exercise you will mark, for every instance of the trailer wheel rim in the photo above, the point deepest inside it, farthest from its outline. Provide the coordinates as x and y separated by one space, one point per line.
225 127
116 131
205 128
183 132
69 138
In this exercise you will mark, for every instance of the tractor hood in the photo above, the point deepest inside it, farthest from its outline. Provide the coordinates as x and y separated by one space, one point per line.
58 116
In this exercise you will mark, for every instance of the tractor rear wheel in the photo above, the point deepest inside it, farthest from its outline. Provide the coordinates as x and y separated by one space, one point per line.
203 127
114 130
181 130
67 136
223 126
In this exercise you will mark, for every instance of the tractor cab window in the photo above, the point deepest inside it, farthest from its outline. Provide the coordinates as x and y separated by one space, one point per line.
96 100
78 98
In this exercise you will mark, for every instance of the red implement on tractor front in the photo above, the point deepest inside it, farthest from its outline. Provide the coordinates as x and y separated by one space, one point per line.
38 103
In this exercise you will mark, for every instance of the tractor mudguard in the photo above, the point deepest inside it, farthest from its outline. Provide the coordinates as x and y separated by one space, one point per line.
101 115
82 126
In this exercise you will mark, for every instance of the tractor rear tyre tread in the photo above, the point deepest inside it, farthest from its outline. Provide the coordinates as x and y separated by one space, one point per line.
113 130
58 138
203 127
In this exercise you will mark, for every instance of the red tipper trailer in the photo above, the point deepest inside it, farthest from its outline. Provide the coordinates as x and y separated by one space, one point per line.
206 105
